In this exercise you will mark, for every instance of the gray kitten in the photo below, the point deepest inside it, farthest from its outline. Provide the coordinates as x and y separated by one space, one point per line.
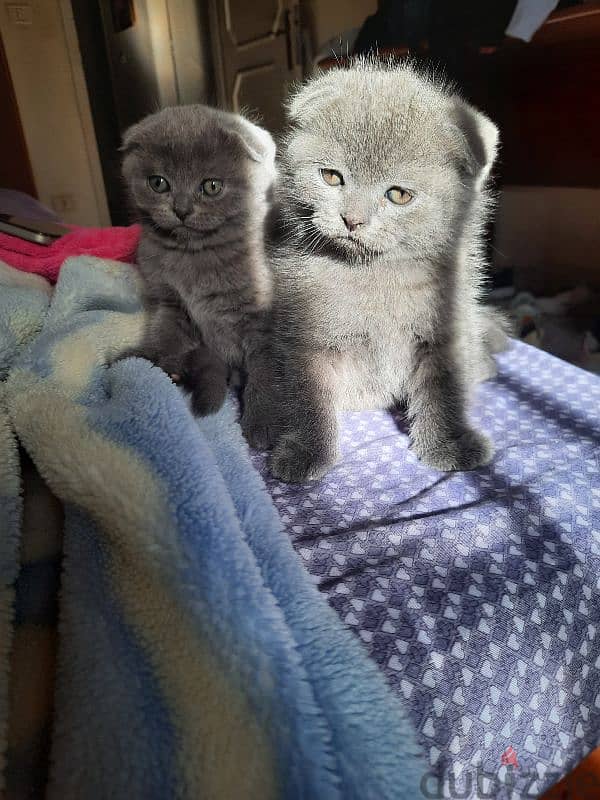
378 269
199 180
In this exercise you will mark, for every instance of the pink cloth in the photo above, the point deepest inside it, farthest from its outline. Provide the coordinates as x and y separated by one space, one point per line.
118 244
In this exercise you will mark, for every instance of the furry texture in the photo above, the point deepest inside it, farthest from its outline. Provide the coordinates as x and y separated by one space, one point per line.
186 617
378 303
201 253
23 305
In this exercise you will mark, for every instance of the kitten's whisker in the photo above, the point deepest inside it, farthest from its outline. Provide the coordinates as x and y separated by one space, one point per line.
316 239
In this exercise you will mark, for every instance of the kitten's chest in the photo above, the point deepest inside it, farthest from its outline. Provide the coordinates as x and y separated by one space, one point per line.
371 338
373 311
220 309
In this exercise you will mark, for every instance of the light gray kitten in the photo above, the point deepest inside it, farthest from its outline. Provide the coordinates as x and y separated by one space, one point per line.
378 270
199 180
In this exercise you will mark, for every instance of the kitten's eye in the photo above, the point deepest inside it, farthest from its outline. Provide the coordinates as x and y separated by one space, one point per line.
398 196
212 186
158 184
332 177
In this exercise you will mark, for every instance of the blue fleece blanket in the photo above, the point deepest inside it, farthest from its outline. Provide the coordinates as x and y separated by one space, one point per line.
197 658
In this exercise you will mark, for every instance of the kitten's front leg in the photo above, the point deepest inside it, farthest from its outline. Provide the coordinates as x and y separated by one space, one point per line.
205 375
308 448
167 337
441 435
260 418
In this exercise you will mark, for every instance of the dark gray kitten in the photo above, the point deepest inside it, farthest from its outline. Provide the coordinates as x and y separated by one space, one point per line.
378 269
199 180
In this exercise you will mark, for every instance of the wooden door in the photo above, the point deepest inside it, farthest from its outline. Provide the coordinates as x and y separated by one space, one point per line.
15 168
257 54
131 59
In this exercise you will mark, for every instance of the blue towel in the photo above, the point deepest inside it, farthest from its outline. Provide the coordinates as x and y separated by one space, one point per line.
23 305
197 658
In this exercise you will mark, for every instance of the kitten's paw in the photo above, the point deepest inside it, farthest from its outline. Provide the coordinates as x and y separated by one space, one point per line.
207 399
293 463
260 434
469 450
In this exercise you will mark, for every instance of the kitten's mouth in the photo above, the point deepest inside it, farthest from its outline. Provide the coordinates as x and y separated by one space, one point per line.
357 244
350 244
346 239
342 245
188 229
182 227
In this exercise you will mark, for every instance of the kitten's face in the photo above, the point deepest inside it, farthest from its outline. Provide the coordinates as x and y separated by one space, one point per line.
188 174
367 212
375 166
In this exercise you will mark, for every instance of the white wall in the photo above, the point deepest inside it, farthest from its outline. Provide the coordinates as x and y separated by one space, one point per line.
45 66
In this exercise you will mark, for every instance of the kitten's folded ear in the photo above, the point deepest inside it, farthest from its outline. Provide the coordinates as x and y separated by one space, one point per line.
257 142
131 139
305 102
480 136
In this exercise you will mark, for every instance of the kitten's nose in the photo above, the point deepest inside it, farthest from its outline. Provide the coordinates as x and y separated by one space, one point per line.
181 212
352 223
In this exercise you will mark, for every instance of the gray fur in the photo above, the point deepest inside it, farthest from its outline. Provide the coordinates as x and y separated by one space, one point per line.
207 284
389 313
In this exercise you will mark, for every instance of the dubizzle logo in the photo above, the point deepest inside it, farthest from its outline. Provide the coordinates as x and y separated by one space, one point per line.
477 784
509 758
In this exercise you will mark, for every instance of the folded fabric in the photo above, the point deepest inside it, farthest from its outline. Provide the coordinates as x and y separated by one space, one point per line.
23 306
117 244
24 205
10 277
196 656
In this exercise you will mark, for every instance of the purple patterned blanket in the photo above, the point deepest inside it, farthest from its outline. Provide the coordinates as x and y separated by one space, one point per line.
477 593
